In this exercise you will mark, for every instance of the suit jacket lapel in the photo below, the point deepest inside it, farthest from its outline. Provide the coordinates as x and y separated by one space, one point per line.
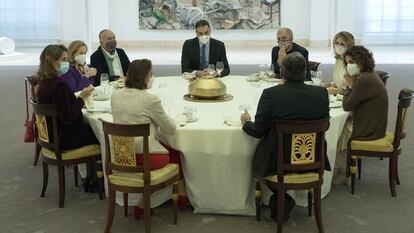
210 52
197 52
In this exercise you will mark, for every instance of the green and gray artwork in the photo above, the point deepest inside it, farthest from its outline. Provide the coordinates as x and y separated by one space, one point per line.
222 14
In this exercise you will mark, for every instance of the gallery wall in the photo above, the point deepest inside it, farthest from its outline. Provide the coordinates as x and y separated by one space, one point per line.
313 22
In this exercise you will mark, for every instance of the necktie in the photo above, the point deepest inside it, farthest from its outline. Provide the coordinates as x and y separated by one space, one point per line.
203 62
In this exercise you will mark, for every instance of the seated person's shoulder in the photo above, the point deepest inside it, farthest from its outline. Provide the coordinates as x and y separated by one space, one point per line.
299 48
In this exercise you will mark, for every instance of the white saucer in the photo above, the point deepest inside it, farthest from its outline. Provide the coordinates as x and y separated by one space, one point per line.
98 109
100 98
336 104
192 120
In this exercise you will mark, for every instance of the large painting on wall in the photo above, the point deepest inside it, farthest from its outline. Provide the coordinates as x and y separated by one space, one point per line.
222 14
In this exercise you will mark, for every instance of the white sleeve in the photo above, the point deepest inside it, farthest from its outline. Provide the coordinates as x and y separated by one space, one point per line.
160 118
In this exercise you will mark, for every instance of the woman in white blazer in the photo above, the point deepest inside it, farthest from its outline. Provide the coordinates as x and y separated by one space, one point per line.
134 105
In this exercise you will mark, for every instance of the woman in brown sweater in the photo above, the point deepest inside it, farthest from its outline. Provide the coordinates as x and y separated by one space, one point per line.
365 95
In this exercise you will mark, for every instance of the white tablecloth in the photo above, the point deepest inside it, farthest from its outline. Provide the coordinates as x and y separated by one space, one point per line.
217 158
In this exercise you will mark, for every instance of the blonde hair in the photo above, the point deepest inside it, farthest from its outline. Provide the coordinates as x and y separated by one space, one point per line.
73 48
348 39
49 55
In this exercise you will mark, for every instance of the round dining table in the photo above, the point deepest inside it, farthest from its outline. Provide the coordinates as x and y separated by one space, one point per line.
216 153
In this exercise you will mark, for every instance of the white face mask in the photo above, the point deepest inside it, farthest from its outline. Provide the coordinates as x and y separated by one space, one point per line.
353 69
80 59
150 82
340 49
204 39
284 44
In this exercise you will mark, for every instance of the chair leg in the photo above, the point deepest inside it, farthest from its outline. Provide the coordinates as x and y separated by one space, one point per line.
348 163
392 178
309 203
359 164
37 153
353 171
397 177
61 174
280 208
175 202
147 209
45 178
75 174
100 178
258 195
111 210
101 187
125 204
317 207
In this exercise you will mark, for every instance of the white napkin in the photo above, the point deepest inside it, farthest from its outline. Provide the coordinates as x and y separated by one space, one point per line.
232 121
339 97
180 120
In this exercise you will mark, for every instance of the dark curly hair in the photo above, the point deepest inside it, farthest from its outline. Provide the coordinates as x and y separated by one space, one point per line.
361 56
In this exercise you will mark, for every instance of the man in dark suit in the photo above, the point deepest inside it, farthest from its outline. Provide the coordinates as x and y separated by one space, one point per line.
292 100
286 46
203 50
108 58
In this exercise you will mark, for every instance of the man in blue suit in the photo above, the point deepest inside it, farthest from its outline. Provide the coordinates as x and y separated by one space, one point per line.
203 50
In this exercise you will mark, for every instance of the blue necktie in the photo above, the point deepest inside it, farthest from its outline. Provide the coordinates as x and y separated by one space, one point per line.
203 62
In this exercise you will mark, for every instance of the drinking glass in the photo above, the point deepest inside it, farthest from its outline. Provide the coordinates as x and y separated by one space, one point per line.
211 69
270 70
219 67
262 70
104 79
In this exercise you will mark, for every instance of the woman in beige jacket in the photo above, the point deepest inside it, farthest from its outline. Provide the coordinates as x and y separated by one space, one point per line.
134 105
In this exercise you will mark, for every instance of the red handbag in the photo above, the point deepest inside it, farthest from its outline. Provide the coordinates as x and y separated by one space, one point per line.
29 134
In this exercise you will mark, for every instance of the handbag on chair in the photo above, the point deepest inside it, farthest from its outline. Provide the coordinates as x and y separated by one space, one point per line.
29 124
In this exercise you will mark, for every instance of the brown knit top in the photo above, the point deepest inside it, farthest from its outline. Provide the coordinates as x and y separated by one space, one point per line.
368 101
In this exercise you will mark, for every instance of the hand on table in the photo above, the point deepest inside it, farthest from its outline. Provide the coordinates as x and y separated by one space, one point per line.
202 73
91 72
245 117
86 92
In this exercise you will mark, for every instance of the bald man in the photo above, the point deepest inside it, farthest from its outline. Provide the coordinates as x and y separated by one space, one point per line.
108 58
286 46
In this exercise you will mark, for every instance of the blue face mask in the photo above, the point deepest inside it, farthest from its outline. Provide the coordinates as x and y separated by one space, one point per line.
64 67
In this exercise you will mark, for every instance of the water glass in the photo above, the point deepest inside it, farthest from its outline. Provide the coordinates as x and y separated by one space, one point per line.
211 69
104 79
219 67
262 70
189 112
270 70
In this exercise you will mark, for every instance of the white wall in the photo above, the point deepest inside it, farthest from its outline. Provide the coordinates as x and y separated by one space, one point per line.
309 19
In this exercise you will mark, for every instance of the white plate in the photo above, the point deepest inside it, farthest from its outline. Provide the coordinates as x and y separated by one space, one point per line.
336 104
99 109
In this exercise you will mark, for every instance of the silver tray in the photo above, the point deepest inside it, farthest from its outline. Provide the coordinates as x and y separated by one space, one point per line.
224 98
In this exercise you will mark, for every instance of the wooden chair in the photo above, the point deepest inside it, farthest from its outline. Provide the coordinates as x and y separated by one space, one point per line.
386 147
51 153
305 168
31 83
313 65
125 176
383 75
